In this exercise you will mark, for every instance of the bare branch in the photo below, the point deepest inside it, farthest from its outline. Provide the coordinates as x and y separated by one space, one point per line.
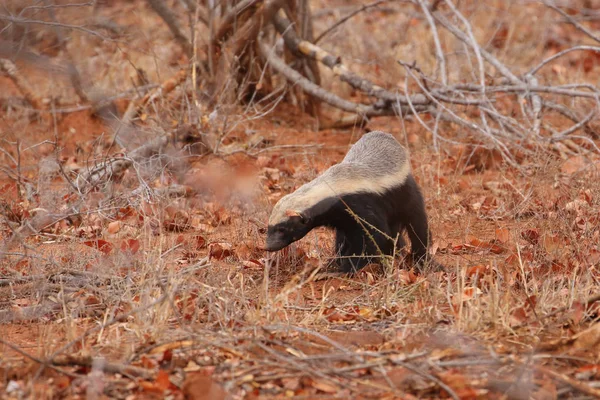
572 21
560 54
10 69
347 17
334 63
171 20
314 90
436 40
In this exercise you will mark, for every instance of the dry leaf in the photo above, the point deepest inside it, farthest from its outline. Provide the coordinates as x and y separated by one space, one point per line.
130 245
114 227
478 270
162 380
219 251
198 386
99 244
503 235
326 387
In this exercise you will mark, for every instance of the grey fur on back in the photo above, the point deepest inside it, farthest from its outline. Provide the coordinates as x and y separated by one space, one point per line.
373 163
380 151
376 154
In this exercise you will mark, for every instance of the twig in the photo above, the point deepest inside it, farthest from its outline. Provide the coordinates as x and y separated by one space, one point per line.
166 87
432 378
580 124
439 53
171 20
10 69
17 20
73 72
37 360
347 17
116 166
112 368
317 91
335 64
560 54
575 384
484 54
572 21
227 22
114 320
588 301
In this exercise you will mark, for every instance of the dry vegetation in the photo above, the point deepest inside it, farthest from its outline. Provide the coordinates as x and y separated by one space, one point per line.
143 143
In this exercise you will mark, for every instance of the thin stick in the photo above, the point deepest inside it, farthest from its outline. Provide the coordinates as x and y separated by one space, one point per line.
317 91
37 360
573 22
560 54
347 17
439 53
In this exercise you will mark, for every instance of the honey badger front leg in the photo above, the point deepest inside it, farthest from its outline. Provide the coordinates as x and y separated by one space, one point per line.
359 243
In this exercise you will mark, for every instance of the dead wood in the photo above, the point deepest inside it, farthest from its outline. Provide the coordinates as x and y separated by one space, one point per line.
230 20
11 70
335 64
135 107
114 167
236 62
315 90
102 365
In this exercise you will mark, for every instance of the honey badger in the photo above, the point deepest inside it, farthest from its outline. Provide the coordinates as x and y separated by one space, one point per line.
369 198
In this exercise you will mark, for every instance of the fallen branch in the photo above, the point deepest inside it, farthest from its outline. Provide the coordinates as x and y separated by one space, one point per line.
135 107
116 166
574 383
334 63
102 365
37 360
317 91
11 70
572 21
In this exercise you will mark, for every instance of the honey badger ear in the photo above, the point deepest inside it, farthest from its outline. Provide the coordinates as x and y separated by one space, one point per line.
294 213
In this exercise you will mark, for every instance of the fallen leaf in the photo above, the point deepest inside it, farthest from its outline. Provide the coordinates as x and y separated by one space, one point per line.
518 316
503 235
198 242
478 270
219 251
531 235
114 227
130 245
198 386
481 244
325 387
162 380
99 244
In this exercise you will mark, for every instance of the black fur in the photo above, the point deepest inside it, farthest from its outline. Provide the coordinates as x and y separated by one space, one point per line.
381 219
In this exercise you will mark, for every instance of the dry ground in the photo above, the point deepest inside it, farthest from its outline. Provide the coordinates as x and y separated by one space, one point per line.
126 292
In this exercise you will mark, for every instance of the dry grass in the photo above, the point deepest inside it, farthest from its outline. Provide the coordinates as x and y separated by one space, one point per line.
183 287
